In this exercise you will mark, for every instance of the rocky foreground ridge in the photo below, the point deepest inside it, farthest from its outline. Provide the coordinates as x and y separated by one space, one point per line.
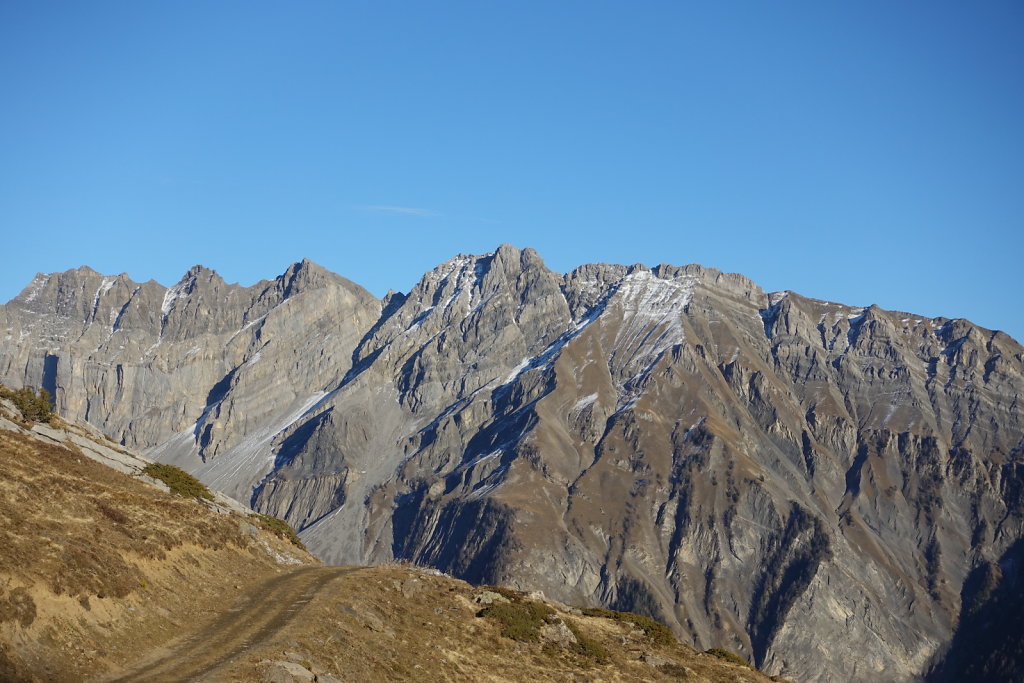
820 487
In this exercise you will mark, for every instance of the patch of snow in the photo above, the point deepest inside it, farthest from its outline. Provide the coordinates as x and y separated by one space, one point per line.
249 324
444 270
584 402
590 288
628 404
652 321
517 370
35 287
698 423
652 310
545 357
465 285
482 458
453 292
170 296
417 322
488 485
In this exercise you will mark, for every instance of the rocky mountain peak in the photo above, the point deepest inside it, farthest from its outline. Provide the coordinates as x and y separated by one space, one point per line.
76 293
199 271
306 275
32 291
198 278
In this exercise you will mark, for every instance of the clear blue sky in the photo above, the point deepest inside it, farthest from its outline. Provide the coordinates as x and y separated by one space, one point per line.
864 152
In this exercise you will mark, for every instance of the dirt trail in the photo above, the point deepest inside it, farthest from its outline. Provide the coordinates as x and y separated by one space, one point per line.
255 618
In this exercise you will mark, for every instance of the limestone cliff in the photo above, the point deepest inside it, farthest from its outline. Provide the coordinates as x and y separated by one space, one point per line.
805 482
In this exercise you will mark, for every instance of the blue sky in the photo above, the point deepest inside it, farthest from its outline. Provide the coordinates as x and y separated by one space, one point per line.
868 152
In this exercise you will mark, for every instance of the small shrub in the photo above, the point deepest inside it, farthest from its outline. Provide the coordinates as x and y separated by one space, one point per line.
17 606
728 656
656 631
34 407
519 620
279 527
178 480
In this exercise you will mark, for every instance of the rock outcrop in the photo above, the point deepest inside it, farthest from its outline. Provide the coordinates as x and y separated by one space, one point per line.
804 482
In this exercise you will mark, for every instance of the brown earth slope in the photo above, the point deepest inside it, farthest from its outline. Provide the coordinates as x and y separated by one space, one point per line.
107 578
402 623
98 566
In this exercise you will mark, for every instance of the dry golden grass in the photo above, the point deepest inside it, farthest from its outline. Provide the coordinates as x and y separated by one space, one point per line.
97 565
81 527
399 623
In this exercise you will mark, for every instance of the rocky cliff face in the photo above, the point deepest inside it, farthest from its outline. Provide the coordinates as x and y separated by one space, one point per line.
808 483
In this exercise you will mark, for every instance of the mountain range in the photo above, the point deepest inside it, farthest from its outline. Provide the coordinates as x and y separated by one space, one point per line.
834 492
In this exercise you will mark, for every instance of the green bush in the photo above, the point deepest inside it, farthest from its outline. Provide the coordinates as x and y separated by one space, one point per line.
279 527
728 656
510 594
34 406
656 631
519 620
178 480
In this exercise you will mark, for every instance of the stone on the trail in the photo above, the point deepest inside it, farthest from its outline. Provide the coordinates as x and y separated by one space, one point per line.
287 672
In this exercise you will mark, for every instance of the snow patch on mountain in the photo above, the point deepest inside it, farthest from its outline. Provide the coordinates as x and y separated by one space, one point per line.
170 296
652 321
31 293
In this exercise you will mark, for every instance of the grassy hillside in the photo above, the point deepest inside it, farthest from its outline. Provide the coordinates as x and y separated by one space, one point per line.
105 576
97 565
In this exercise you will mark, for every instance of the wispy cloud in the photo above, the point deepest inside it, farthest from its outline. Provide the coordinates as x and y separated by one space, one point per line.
404 210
